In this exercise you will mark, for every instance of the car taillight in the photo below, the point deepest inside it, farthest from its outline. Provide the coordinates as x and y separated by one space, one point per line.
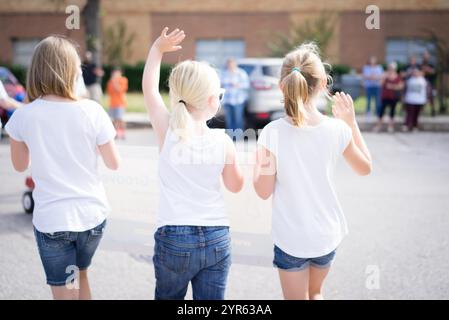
263 115
261 85
29 182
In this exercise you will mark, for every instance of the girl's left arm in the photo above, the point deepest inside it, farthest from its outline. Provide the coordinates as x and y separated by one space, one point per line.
232 173
20 155
264 173
154 103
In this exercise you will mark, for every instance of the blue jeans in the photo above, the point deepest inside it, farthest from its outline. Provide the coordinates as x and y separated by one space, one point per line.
63 253
200 255
234 116
373 92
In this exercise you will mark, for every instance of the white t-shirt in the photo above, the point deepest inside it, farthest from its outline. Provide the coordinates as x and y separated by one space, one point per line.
190 180
416 91
307 218
62 138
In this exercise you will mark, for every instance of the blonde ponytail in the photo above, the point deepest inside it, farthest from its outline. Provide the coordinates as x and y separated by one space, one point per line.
180 120
301 74
295 91
191 83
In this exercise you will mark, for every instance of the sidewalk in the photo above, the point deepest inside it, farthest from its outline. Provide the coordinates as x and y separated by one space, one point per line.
437 124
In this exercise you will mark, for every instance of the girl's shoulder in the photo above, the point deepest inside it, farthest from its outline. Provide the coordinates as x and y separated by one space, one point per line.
274 124
89 105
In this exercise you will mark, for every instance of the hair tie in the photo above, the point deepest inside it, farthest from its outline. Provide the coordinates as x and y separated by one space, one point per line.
296 69
182 101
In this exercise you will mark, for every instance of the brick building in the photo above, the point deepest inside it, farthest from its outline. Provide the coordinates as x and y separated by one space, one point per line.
217 28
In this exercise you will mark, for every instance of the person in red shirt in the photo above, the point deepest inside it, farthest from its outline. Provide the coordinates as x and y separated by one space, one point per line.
117 87
392 86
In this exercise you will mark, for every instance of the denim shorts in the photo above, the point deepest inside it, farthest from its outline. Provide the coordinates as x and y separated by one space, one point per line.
64 253
117 113
287 262
191 254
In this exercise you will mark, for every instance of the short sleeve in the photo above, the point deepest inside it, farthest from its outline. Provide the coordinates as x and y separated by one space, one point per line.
105 129
269 139
14 126
345 136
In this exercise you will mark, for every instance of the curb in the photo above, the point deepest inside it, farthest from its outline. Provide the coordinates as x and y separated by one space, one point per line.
428 124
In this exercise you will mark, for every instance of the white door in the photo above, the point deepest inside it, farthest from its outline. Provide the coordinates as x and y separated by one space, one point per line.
23 51
400 50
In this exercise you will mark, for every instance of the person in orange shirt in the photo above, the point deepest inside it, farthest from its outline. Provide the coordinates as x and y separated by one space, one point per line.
117 87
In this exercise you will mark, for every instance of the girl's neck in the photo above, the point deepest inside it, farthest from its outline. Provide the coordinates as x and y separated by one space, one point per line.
313 116
55 98
199 127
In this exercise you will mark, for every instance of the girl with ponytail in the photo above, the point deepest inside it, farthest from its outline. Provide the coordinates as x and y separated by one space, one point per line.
192 242
295 161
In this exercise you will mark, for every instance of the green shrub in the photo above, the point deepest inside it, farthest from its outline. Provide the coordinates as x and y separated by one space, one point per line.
19 71
340 69
134 74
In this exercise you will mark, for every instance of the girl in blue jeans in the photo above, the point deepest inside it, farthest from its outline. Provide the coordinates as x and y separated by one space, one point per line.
192 242
63 136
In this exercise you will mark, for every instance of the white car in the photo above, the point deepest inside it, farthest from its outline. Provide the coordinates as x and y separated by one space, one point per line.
264 97
264 102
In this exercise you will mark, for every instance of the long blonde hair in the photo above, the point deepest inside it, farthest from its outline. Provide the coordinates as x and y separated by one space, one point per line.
301 75
54 69
191 83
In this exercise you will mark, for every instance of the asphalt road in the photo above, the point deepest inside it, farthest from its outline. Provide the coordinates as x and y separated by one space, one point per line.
398 217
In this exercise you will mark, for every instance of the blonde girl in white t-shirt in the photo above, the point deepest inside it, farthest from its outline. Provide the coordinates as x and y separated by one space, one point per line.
192 243
60 136
296 158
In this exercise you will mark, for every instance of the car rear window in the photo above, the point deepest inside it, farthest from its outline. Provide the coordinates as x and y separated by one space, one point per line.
247 67
272 71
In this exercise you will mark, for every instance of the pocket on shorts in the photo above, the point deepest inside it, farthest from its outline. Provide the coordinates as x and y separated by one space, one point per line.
283 260
95 234
175 260
223 255
55 240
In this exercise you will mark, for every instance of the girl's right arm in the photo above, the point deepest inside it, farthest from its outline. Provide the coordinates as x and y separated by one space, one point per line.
356 153
110 155
20 156
264 172
154 103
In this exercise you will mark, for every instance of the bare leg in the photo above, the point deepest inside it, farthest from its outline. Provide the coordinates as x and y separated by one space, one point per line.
295 284
391 125
316 279
378 125
122 127
116 124
84 286
64 293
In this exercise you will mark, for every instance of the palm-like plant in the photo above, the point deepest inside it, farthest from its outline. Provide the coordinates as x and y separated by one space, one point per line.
117 43
442 69
319 30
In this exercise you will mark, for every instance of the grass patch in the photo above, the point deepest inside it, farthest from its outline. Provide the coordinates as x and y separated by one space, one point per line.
135 101
135 104
360 107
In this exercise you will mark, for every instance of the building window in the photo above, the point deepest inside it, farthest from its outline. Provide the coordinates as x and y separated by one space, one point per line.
400 50
23 51
216 52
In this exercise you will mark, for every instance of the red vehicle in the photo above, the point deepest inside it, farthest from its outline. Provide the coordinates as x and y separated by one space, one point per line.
27 198
12 86
14 90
